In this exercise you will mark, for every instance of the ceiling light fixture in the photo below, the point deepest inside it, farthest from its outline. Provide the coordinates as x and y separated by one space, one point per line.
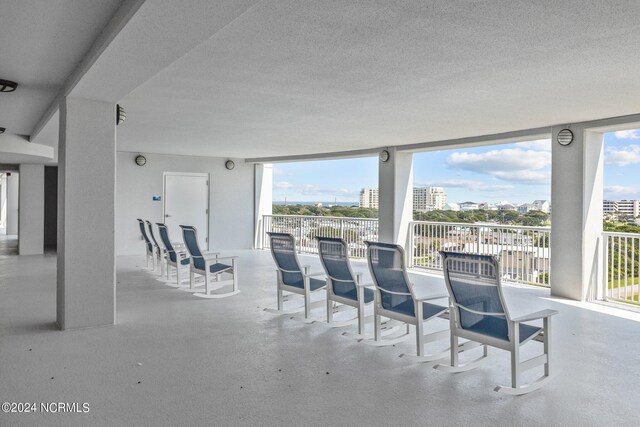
141 160
384 156
229 164
7 86
2 130
121 115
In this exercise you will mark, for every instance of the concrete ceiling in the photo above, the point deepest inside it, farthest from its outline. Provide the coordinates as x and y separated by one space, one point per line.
42 42
293 77
249 78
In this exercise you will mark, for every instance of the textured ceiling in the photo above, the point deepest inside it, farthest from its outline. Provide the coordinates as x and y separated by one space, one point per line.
42 41
248 78
296 77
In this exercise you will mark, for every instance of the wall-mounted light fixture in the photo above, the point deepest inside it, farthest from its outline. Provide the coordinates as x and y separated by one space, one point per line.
384 156
2 130
141 160
229 164
121 115
565 137
7 86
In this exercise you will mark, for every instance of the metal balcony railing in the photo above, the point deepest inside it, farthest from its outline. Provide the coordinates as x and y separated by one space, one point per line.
524 252
621 273
354 231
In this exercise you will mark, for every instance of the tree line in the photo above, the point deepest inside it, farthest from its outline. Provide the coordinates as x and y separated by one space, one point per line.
529 219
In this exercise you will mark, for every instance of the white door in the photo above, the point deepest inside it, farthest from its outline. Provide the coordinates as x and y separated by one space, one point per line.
186 202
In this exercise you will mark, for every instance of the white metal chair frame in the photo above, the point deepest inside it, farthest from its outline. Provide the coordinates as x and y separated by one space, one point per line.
181 253
512 345
210 259
158 253
282 287
332 298
417 320
150 255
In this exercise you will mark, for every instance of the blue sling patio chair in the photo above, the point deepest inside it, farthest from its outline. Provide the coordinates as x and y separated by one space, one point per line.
343 286
207 265
174 258
150 255
158 250
395 298
290 276
479 313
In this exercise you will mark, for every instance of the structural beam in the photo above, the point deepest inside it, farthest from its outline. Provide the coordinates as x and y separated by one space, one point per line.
86 214
395 197
13 187
31 210
576 200
263 200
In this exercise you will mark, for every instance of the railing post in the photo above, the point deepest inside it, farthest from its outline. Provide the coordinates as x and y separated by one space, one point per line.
602 292
411 245
299 245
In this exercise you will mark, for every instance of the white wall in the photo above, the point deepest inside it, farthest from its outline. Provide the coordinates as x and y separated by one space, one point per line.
12 203
31 216
231 199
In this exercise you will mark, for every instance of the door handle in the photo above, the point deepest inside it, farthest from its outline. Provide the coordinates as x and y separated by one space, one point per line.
167 215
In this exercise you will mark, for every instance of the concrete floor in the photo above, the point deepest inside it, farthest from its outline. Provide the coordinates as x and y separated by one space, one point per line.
174 359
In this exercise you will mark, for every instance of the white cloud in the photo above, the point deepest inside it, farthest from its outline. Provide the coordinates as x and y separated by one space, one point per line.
524 176
465 183
623 156
628 134
510 164
282 185
538 144
278 172
620 190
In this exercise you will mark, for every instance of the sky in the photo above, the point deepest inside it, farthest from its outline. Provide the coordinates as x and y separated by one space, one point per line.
518 173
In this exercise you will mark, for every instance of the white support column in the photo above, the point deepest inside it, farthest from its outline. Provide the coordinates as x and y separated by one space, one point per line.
86 214
263 200
576 219
13 184
31 210
3 202
395 197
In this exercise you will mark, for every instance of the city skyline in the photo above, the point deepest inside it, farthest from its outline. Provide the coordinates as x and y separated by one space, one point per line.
516 172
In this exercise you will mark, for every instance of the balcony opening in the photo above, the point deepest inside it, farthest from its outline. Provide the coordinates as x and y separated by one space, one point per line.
621 216
326 198
490 200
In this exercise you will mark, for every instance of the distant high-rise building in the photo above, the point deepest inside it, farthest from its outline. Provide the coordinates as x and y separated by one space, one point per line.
429 198
630 208
369 198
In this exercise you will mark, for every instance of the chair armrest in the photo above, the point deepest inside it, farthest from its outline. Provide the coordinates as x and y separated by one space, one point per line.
535 316
392 292
432 297
321 273
305 271
366 285
209 255
359 283
228 257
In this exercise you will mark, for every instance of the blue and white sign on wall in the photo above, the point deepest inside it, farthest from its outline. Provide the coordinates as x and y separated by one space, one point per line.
157 198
